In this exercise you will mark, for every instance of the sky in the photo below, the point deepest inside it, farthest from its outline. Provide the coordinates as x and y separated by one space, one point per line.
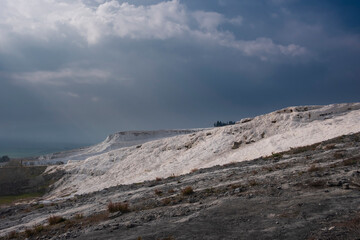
77 70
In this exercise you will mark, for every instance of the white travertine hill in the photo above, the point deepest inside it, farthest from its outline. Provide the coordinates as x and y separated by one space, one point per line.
112 142
247 139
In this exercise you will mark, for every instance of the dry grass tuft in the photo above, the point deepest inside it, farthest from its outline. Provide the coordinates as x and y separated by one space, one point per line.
55 220
316 183
351 161
187 191
96 218
171 191
338 155
166 201
118 207
253 183
29 232
172 176
158 192
79 216
12 235
313 168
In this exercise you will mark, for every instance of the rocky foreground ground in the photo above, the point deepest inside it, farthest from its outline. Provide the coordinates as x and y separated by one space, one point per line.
311 192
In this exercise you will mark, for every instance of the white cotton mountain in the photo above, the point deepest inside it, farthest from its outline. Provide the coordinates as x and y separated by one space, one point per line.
112 142
246 140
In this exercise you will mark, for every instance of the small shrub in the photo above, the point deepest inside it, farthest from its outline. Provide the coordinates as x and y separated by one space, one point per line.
276 155
252 182
28 232
350 161
194 170
235 186
118 207
313 168
329 147
171 191
99 217
236 145
158 192
303 149
210 190
39 206
316 183
229 164
38 228
268 168
169 238
338 155
187 191
166 201
12 235
55 220
79 216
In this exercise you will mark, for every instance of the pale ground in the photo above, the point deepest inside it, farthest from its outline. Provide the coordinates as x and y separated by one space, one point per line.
270 133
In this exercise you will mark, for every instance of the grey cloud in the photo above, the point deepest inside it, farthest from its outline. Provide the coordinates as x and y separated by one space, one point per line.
164 20
80 72
64 76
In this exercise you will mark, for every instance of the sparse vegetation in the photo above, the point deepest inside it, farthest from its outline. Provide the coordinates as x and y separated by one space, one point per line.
95 218
303 149
172 176
276 155
168 238
14 198
52 220
229 164
166 201
118 207
221 124
252 182
171 190
289 193
338 155
313 168
12 235
329 146
4 159
28 232
267 168
158 192
351 161
316 183
236 145
187 191
79 216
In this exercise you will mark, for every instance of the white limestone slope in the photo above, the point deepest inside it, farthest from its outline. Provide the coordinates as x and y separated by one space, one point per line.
261 136
112 142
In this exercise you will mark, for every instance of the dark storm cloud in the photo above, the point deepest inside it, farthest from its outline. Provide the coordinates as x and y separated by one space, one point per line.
79 70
